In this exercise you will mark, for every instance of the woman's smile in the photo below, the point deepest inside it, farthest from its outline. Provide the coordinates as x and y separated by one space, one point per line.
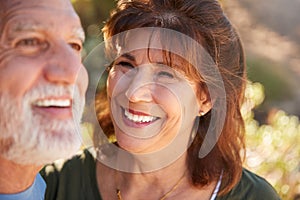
138 118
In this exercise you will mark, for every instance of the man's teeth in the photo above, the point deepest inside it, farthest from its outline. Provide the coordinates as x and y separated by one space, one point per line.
53 102
139 118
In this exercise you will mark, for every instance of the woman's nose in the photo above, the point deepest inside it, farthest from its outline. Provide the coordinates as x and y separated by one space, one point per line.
141 85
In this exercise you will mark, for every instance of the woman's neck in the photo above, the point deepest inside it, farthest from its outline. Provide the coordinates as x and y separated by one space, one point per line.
172 181
159 178
167 182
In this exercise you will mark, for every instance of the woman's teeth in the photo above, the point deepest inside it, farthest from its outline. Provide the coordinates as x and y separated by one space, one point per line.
139 118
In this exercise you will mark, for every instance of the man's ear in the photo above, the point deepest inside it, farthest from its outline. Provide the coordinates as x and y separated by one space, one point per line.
204 103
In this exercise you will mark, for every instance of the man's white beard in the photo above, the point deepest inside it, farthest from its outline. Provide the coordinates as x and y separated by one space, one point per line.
35 138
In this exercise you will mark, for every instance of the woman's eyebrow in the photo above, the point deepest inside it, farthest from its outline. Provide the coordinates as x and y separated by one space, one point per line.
128 56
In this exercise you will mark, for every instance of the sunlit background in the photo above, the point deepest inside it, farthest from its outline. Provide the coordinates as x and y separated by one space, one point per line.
270 31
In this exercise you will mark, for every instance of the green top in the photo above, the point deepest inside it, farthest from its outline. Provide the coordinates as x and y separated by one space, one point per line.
76 180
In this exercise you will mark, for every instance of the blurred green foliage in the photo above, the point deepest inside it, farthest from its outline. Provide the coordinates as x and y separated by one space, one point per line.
273 149
93 14
266 72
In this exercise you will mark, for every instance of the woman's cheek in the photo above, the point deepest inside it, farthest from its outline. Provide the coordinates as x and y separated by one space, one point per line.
112 81
167 100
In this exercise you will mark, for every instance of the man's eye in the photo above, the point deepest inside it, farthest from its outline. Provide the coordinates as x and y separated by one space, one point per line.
32 44
76 46
29 42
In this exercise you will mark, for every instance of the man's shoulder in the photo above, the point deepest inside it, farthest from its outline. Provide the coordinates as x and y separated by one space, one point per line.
252 187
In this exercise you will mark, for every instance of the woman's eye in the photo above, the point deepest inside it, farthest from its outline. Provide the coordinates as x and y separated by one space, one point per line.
126 68
166 74
125 64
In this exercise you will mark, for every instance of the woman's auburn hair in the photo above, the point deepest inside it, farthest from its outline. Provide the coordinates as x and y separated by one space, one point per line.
205 22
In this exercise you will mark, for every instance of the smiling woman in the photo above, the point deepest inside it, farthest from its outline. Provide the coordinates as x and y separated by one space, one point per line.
140 87
174 88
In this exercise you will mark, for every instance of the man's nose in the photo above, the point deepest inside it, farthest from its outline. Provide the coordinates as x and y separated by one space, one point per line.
141 86
63 64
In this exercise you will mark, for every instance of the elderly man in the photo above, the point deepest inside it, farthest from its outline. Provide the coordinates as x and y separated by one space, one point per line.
42 89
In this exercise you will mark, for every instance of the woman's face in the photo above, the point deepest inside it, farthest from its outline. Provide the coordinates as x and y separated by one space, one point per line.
151 104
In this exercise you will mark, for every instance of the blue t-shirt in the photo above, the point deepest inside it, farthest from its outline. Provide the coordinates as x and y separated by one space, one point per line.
34 192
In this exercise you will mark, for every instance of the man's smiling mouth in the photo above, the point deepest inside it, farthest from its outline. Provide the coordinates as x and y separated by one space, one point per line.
54 107
53 103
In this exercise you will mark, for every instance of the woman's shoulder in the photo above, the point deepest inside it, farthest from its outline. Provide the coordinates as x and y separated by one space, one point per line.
251 187
84 158
71 178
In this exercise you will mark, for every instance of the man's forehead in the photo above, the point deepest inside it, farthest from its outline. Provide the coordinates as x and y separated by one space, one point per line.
10 6
34 25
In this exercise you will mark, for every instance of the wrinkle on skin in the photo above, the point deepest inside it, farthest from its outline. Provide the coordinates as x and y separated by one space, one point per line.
8 9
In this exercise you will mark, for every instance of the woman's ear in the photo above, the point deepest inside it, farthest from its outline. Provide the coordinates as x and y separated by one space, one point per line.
204 103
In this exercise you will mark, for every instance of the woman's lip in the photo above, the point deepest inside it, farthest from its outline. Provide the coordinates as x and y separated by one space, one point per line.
137 112
133 124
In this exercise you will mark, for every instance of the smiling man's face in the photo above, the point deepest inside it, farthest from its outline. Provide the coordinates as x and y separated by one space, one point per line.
42 80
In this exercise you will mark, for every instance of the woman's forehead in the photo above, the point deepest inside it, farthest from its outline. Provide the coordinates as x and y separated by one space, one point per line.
176 49
147 39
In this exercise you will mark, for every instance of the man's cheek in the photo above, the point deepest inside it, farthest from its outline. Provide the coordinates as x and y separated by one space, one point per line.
82 80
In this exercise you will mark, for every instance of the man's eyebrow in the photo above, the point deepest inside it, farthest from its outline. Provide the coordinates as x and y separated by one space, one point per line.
35 26
128 56
28 26
79 33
